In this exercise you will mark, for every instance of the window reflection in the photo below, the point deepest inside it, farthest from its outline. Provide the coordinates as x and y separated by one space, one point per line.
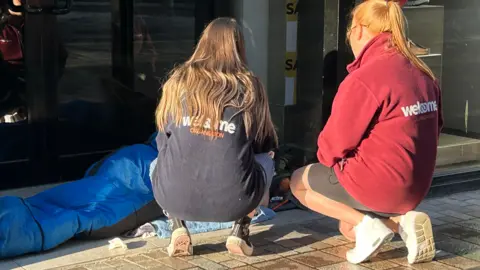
446 34
98 111
13 101
147 79
164 35
12 69
12 65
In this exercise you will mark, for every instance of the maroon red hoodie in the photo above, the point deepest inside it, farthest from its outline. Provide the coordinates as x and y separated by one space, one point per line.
382 135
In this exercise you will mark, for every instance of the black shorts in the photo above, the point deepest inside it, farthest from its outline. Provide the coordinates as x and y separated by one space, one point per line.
324 181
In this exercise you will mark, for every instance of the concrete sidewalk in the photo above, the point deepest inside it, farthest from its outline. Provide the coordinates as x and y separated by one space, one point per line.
293 240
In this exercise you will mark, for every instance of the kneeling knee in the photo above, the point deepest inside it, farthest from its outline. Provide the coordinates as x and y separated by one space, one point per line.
297 180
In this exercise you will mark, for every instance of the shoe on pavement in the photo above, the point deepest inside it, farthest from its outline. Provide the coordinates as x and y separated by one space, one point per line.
417 233
238 243
371 235
180 242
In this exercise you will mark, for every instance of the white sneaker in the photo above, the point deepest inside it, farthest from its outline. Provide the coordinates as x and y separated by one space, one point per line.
371 234
416 231
180 242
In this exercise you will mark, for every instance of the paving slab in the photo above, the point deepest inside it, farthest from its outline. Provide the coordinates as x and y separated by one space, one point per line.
293 240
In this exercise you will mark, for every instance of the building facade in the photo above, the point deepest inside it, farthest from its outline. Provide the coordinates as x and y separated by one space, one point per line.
92 71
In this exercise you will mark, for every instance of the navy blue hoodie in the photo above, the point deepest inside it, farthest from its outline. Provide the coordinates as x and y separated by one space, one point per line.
200 179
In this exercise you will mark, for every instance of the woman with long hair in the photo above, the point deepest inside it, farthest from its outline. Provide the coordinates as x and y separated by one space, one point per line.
378 149
215 135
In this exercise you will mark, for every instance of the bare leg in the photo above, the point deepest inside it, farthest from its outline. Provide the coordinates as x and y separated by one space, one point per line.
393 223
319 203
372 233
347 230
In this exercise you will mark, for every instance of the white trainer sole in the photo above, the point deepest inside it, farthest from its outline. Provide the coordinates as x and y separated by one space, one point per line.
180 244
420 242
238 246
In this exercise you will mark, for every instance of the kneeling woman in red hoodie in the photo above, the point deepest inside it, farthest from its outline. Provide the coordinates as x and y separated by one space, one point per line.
377 151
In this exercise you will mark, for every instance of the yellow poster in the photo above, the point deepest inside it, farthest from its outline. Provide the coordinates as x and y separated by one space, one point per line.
291 64
291 10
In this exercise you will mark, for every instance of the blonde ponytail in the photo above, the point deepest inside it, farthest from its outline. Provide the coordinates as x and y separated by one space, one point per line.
387 16
399 37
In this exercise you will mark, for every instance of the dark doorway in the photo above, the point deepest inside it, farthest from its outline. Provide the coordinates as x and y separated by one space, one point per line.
91 81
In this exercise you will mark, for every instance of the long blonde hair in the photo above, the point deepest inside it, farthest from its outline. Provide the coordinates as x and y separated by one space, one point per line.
381 16
215 77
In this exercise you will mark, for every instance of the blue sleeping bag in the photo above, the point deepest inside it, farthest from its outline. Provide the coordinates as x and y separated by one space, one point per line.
119 186
114 197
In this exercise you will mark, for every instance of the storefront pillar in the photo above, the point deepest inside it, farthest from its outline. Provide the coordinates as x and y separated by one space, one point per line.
285 49
264 27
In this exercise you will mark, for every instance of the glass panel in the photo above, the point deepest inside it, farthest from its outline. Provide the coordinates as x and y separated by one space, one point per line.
448 30
13 103
305 17
164 35
86 113
99 111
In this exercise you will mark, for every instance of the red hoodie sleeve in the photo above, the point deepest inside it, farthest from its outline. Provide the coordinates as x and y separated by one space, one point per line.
353 109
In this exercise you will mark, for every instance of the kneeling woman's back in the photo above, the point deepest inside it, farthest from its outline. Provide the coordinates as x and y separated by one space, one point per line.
213 118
